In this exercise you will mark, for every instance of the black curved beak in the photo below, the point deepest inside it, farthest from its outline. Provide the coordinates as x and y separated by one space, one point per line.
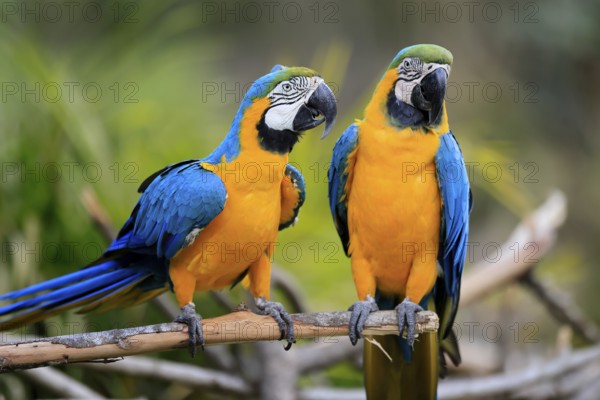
320 107
429 95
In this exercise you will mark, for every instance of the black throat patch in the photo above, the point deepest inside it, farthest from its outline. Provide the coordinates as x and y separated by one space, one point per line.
402 114
281 142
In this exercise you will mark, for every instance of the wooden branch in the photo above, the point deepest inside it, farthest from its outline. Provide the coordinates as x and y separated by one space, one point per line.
199 378
98 214
60 383
320 393
319 356
496 385
579 383
534 236
239 326
563 308
278 372
189 375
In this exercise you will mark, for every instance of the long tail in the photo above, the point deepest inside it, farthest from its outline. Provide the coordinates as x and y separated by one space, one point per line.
410 374
98 287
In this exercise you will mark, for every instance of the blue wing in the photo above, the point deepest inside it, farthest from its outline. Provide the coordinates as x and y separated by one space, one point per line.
454 231
340 170
296 196
176 204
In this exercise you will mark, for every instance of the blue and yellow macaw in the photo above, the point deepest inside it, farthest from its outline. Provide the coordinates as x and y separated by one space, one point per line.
400 199
207 223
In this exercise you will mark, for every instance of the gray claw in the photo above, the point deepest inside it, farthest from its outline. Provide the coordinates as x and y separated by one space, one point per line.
281 316
189 317
360 313
407 311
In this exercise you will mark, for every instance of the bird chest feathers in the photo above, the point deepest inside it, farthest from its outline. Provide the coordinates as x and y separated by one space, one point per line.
395 193
253 193
245 228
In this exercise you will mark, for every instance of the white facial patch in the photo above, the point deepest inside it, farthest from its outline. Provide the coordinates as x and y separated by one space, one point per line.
411 72
287 98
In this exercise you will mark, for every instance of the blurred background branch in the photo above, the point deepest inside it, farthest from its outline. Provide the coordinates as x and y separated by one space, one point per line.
537 232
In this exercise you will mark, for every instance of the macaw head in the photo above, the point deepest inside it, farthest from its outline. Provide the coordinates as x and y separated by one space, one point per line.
283 104
413 88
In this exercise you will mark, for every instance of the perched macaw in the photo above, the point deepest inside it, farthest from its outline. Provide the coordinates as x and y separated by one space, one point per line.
207 223
400 199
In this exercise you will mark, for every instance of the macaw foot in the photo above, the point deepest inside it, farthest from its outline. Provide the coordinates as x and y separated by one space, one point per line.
189 317
360 313
283 319
407 311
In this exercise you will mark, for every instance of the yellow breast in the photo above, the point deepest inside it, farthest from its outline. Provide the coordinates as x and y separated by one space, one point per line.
245 228
394 202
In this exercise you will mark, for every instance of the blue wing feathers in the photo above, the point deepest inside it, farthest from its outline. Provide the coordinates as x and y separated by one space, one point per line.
456 206
338 177
175 201
163 172
181 198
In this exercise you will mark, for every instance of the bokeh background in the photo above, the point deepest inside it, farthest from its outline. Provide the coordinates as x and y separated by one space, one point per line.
98 95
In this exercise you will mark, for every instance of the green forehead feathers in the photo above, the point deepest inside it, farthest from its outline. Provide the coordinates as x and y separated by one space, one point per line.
264 85
427 53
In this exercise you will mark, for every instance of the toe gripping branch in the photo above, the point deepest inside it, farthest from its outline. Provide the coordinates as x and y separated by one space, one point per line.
360 313
407 311
189 317
281 316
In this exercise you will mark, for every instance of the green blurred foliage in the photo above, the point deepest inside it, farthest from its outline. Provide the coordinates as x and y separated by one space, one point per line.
103 100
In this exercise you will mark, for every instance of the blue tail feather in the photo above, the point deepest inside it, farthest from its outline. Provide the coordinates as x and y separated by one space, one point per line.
61 281
67 292
113 277
66 301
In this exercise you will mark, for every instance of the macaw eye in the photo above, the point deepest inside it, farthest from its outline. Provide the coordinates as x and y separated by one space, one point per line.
406 63
286 87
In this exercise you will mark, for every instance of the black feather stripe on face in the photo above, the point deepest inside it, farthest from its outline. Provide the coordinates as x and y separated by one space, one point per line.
299 85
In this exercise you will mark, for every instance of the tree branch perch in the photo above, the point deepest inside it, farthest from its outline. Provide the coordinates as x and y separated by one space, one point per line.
236 327
538 231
